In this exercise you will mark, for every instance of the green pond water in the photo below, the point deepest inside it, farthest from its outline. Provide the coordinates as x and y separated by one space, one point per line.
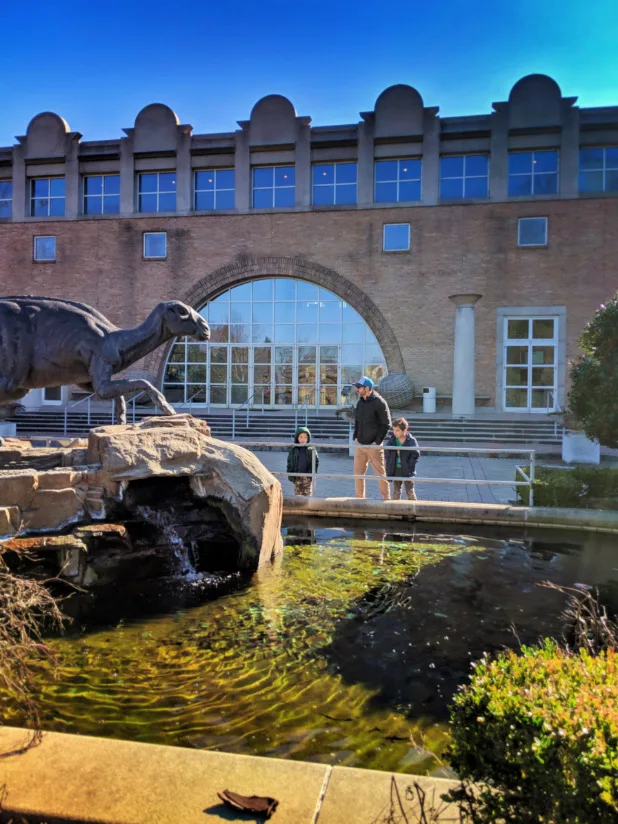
345 651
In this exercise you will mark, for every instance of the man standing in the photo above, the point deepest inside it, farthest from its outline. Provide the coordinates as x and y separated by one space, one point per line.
371 424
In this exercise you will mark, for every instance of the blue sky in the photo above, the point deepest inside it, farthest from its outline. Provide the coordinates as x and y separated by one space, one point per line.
98 64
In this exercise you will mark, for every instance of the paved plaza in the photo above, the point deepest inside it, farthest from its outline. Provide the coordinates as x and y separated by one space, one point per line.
447 467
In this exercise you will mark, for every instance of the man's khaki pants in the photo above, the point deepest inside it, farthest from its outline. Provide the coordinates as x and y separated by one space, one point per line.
364 456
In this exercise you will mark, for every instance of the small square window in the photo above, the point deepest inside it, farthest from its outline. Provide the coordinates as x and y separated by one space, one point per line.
396 237
155 244
532 231
45 248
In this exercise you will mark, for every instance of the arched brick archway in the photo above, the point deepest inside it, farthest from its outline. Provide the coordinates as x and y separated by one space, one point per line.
248 269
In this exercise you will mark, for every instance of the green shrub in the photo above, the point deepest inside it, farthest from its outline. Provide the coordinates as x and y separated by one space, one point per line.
539 731
581 487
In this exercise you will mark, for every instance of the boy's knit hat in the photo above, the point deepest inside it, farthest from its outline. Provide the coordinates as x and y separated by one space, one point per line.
302 429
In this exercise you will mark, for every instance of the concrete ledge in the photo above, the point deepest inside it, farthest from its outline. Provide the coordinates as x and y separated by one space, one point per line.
83 779
594 520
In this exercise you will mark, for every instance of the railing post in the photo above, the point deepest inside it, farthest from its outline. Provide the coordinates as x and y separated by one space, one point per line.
314 477
233 424
89 396
66 419
531 476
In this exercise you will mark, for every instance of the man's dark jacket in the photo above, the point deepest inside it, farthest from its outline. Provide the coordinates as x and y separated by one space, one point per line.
408 459
372 419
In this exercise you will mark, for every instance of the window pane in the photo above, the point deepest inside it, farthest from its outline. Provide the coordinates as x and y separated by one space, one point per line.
545 184
56 206
520 185
40 187
196 353
239 394
175 374
345 195
591 182
6 208
307 354
611 181
148 203
476 165
196 374
93 206
410 191
262 395
284 354
225 200
283 374
240 312
386 193
262 354
591 159
475 187
330 311
352 333
283 396
543 354
545 162
240 293
218 394
542 399
167 182
261 374
451 166
155 244
218 312
410 169
386 170
517 354
611 157
218 354
307 333
396 237
373 354
178 353
204 200
350 374
284 312
517 398
350 353
284 333
263 333
263 198
345 173
284 197
330 333
111 184
93 185
262 313
328 354
225 178
307 291
543 328
240 373
111 204
517 328
543 376
148 183
328 374
323 195
204 180
56 186
350 315
532 231
262 290
240 333
45 248
307 311
451 189
328 395
218 374
516 376
219 333
520 163
263 177
324 173
285 176
6 189
167 202
285 289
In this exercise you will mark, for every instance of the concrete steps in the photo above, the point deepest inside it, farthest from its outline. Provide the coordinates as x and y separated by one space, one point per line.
326 426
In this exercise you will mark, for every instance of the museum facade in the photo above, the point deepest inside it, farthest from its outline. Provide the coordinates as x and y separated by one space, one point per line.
461 253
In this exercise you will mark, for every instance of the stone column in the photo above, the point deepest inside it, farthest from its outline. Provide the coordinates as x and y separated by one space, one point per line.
20 187
365 162
183 172
499 154
242 166
127 176
569 151
431 157
71 177
463 365
303 162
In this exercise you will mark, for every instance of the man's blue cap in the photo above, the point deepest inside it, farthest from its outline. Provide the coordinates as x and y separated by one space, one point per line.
364 381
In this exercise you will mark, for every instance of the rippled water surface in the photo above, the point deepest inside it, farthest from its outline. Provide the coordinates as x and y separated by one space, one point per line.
347 650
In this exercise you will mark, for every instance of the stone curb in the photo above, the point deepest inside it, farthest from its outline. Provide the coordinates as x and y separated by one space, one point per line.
593 520
73 778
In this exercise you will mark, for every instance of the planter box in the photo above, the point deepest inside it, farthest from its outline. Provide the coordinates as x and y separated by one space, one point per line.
577 448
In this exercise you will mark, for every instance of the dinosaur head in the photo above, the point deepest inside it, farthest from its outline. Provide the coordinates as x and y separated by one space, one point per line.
181 320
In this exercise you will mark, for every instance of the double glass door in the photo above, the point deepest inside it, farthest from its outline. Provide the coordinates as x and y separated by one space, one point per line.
530 364
274 376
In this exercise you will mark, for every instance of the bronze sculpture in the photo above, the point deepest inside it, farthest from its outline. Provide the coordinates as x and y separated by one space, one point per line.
49 342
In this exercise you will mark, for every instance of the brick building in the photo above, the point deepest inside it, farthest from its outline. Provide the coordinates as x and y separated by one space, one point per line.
464 253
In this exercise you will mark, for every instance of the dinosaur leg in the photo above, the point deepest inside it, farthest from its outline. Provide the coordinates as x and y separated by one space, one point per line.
107 389
120 409
9 392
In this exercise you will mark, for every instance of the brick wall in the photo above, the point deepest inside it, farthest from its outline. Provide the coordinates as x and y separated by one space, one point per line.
455 249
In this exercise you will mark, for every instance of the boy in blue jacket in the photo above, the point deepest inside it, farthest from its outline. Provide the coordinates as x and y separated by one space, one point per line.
402 463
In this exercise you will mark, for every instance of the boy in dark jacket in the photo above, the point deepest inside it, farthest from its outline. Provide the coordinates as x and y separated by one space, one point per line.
402 464
300 459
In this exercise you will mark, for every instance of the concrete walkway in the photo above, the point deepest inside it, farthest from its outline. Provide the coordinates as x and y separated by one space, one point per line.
429 466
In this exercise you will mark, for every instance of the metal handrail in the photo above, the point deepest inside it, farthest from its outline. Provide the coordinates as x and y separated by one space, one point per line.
248 404
528 479
305 406
189 402
73 405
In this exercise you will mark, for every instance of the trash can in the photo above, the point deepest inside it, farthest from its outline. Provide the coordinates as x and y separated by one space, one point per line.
429 399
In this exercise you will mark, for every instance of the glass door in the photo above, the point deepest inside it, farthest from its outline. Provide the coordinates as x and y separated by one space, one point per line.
284 394
530 364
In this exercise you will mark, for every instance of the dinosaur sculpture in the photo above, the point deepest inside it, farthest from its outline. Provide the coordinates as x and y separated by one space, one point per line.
46 342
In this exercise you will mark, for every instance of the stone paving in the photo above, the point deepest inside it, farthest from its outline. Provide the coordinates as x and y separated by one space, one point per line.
429 466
